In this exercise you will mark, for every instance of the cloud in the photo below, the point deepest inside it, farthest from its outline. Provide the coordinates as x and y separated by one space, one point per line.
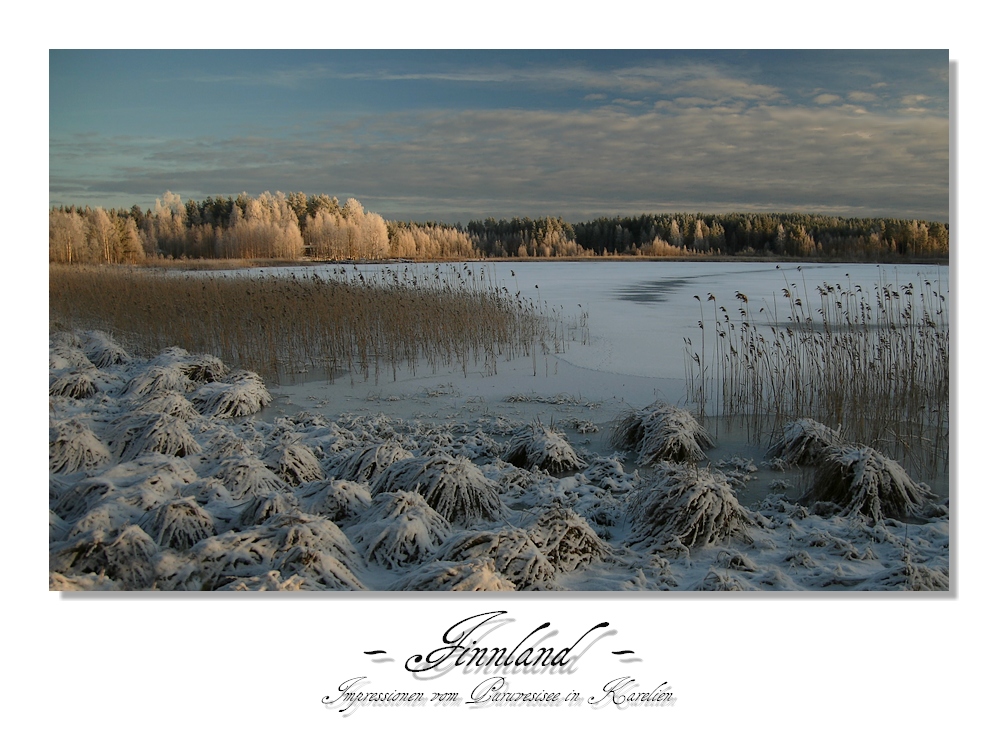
827 99
498 162
862 97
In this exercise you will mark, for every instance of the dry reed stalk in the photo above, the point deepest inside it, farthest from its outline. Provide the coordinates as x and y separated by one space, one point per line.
275 325
874 362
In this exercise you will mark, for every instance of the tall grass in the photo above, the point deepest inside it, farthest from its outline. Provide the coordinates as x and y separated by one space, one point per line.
874 362
345 322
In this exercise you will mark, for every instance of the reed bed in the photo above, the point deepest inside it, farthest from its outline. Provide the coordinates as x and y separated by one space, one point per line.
873 362
343 322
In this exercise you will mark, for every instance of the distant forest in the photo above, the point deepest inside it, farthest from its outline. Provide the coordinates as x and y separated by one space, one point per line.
319 227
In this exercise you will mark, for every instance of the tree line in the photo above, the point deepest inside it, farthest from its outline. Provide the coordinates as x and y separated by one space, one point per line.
317 226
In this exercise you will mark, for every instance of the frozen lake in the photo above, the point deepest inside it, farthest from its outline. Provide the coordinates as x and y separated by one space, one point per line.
637 314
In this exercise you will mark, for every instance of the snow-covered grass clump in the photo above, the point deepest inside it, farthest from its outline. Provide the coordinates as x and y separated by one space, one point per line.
399 529
536 445
859 480
73 447
803 442
454 487
661 432
687 505
241 394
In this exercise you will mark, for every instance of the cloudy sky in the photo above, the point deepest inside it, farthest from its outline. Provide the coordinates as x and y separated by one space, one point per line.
454 136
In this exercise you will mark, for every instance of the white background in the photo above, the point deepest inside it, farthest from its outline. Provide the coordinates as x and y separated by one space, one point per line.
770 663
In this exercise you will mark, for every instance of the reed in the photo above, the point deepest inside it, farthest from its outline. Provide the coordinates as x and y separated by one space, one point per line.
873 362
344 322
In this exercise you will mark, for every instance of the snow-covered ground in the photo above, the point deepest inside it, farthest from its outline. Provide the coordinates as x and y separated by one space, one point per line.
163 475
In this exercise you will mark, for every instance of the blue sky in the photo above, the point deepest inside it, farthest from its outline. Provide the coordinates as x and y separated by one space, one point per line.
454 136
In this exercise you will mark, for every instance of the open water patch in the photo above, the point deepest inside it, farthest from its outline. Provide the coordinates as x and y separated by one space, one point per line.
649 292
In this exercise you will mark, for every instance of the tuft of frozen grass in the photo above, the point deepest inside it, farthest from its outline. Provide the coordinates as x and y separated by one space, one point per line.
137 433
515 556
294 462
157 379
249 477
454 487
363 464
107 518
76 383
197 368
861 481
536 445
243 393
660 432
128 558
685 504
399 529
220 560
102 350
74 447
180 524
170 403
475 575
567 540
338 500
803 442
723 580
325 571
74 501
262 507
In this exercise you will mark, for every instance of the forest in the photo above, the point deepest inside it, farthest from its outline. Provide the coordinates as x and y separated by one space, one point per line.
318 227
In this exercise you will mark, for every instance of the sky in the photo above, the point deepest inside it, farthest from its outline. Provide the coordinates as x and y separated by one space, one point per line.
458 135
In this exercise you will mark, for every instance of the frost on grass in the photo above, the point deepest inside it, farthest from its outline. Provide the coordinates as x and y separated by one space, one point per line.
660 432
74 447
859 480
803 442
338 500
243 393
454 487
128 558
249 477
180 524
536 445
399 529
293 543
157 379
723 580
515 556
76 383
170 403
475 575
362 464
261 507
567 540
137 433
294 462
197 368
689 506
102 350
